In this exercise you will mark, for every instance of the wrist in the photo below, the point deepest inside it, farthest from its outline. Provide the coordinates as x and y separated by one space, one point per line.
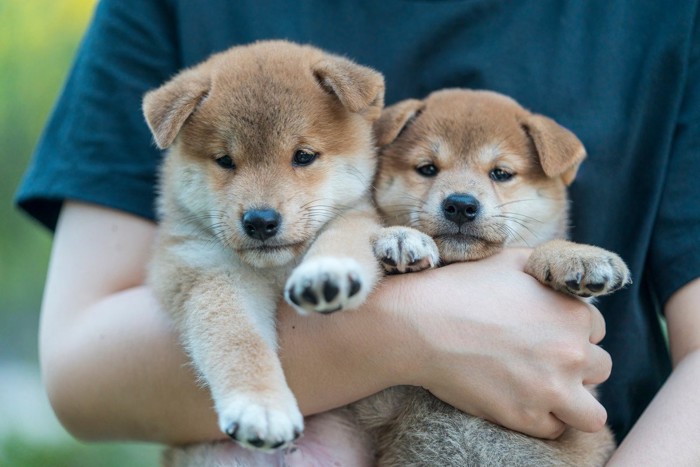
398 331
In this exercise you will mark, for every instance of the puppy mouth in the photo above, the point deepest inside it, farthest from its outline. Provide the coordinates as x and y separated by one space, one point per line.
272 248
460 237
471 237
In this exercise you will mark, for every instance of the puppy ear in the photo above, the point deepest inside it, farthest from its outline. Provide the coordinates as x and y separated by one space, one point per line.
167 107
560 152
360 89
395 119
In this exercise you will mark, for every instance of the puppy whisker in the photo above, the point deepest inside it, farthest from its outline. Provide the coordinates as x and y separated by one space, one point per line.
516 233
539 198
512 217
359 176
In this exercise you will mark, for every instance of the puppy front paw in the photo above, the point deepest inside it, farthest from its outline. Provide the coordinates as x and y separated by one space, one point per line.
581 270
404 249
326 285
263 425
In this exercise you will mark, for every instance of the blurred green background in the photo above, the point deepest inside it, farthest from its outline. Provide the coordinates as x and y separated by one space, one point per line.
38 39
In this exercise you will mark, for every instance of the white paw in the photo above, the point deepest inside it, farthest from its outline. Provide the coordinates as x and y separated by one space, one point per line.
260 424
327 284
404 249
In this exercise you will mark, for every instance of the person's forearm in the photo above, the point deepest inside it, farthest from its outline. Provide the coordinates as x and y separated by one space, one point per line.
669 429
333 360
136 362
120 361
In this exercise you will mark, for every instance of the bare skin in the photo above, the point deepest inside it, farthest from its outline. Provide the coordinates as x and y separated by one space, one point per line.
114 369
668 430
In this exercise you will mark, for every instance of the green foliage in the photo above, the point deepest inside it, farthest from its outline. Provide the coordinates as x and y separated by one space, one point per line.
21 452
38 39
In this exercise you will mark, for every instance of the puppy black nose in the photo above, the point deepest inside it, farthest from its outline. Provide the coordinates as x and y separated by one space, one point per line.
460 208
261 224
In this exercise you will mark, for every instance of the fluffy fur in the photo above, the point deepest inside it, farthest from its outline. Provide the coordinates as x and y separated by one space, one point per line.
462 175
264 192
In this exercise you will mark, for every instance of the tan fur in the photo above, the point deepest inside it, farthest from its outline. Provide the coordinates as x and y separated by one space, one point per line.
466 135
259 105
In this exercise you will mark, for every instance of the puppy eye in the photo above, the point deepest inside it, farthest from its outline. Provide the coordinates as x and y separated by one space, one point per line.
225 162
500 175
427 170
302 158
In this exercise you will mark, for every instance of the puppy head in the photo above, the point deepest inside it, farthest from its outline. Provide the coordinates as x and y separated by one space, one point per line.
475 171
267 143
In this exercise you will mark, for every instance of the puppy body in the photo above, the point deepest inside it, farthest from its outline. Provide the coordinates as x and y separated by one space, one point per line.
264 193
472 172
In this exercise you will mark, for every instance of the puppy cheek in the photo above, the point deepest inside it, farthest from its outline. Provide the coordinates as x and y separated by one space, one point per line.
399 200
349 180
193 188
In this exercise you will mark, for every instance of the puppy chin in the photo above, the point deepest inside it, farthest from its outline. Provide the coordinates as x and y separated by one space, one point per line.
458 247
271 256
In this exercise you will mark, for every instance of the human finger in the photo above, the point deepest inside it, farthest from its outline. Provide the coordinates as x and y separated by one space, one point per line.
531 424
597 325
599 368
549 428
583 412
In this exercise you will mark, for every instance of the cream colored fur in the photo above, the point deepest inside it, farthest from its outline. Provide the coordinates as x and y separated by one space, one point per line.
471 138
268 127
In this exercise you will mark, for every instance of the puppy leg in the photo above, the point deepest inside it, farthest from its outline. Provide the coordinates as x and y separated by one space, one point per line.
404 249
577 269
339 270
229 331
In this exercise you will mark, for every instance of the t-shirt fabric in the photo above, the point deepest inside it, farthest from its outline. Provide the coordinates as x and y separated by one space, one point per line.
622 75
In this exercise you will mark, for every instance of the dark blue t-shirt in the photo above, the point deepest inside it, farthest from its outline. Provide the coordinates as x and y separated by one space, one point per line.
623 75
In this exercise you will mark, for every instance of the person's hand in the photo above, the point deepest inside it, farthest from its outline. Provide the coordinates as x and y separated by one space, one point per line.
492 341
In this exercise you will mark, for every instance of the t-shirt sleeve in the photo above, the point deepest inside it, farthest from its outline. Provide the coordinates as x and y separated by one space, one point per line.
674 256
96 146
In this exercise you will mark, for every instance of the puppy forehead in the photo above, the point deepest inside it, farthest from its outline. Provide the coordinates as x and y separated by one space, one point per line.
266 101
476 125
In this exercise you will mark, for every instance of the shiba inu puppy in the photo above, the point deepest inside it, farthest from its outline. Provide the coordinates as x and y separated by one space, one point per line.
265 192
470 173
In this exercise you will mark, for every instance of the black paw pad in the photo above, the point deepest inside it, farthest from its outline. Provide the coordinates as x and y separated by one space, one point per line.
256 442
355 285
292 297
330 290
389 261
277 445
309 295
575 283
231 430
597 287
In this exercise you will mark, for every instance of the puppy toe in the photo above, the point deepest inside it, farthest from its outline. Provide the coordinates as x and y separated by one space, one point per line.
597 286
580 270
404 249
261 424
326 285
